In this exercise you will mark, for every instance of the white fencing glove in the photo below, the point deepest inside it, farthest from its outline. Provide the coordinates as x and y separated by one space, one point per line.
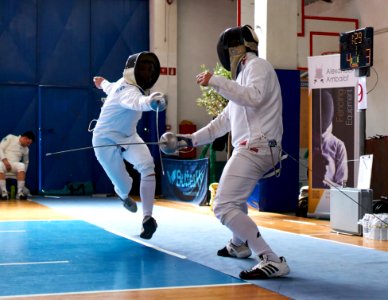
157 101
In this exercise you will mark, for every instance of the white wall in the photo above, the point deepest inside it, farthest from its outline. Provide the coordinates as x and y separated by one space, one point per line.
276 27
200 23
163 41
371 13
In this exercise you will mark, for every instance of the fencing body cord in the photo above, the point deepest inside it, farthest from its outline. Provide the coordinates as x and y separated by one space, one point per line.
335 186
90 129
271 143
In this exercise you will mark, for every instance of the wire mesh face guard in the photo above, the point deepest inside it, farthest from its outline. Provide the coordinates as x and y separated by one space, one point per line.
229 39
233 44
142 69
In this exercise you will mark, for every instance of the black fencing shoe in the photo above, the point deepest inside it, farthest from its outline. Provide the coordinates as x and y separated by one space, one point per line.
21 196
130 204
266 269
231 250
149 227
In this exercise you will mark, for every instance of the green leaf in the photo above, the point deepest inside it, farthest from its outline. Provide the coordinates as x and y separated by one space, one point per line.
213 102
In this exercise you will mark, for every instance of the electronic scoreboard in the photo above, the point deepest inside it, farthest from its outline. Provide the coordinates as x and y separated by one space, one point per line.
356 49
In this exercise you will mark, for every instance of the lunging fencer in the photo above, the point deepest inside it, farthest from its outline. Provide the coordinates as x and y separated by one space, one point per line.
254 118
126 99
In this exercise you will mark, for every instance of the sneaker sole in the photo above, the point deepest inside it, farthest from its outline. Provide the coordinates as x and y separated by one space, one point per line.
266 272
259 275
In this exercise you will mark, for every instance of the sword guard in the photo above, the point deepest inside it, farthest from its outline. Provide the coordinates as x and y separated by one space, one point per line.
169 142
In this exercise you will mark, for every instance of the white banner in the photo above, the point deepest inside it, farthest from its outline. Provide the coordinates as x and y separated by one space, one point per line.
324 72
334 147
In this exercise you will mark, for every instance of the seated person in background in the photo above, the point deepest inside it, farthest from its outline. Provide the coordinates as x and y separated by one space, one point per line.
14 159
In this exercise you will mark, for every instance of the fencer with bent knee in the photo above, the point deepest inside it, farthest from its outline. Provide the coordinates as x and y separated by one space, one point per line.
254 117
126 99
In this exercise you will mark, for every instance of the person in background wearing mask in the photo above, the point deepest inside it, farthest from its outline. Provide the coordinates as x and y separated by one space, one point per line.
14 158
253 115
126 99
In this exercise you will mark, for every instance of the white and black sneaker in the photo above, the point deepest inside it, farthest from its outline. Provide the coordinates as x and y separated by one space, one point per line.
231 250
266 269
149 227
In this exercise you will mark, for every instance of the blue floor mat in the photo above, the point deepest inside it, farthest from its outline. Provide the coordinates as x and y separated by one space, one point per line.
40 257
320 269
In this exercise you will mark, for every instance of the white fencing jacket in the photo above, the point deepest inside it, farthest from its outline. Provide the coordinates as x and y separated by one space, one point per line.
121 111
11 149
254 111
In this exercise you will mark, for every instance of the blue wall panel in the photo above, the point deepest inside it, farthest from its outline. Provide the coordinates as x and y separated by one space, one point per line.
19 111
17 41
116 32
55 47
63 42
63 126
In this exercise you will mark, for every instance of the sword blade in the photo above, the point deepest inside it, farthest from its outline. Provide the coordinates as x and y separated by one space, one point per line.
101 146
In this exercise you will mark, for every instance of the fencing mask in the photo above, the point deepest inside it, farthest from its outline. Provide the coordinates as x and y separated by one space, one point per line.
142 69
232 45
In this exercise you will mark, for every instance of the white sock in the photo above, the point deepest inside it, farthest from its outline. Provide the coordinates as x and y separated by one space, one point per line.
3 186
147 194
243 227
21 184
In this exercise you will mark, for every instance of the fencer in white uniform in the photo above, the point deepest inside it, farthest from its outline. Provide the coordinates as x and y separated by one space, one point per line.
126 99
14 158
254 117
